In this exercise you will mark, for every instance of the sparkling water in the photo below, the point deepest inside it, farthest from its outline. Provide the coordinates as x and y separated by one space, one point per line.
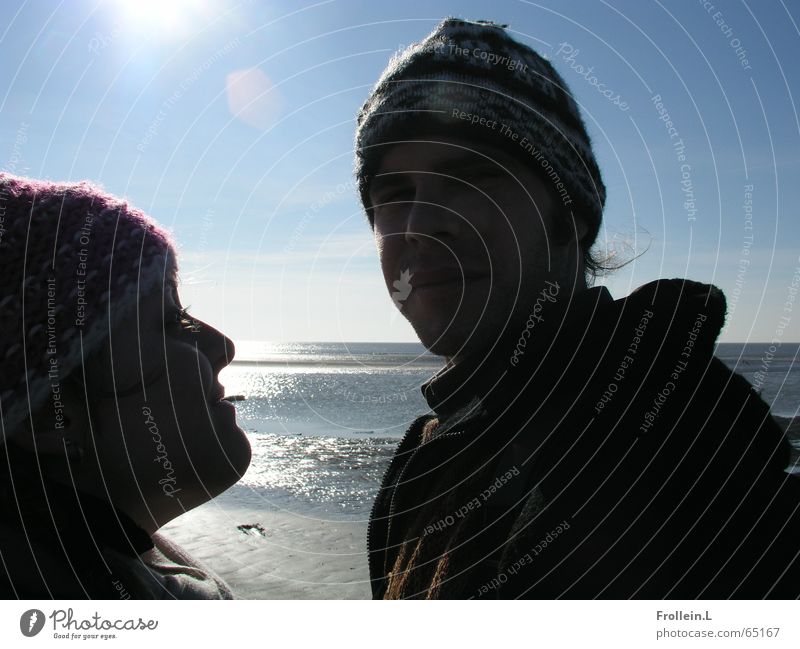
324 418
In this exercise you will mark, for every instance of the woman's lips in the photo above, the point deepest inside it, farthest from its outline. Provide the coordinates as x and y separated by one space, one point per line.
217 393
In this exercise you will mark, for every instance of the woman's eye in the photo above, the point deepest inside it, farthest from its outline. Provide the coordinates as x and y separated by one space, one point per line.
185 321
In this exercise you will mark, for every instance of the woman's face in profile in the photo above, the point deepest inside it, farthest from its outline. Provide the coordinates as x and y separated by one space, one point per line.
165 439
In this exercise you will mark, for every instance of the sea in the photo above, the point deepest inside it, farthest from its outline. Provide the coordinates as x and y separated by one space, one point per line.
324 419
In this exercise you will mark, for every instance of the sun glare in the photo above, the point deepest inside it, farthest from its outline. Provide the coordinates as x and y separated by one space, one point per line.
164 16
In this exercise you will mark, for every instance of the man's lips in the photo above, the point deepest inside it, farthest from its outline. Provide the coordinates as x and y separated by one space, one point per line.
437 276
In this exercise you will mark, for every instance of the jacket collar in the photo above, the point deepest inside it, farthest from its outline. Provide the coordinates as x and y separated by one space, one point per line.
565 340
552 321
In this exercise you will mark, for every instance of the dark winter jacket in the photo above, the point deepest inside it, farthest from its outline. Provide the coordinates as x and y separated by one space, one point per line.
600 450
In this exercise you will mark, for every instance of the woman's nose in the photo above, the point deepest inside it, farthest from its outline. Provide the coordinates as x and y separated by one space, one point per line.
219 349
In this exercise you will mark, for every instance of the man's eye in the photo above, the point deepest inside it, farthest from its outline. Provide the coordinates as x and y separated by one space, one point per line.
395 195
400 195
476 175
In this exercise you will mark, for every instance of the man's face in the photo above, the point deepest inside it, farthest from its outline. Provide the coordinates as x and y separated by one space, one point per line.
472 226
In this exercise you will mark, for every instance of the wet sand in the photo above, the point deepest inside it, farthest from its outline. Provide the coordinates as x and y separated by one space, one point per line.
275 554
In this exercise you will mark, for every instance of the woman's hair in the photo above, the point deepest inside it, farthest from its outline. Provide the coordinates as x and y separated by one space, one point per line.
70 252
75 260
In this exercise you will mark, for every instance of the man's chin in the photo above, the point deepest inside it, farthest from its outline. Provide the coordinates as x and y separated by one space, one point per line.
458 338
455 328
448 341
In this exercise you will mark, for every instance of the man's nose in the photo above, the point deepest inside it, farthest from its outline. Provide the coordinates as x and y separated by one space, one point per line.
430 220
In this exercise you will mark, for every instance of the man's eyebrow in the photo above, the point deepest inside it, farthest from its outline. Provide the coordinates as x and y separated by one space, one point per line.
390 179
396 176
456 161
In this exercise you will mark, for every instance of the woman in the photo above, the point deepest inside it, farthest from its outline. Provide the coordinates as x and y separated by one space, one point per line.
112 420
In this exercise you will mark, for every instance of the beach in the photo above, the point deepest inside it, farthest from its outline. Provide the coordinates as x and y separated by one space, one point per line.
278 554
263 550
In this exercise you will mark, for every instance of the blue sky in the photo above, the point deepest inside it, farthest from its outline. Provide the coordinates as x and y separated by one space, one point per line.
232 123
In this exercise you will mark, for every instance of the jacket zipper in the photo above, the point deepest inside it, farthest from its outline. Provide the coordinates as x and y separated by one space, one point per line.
390 515
373 512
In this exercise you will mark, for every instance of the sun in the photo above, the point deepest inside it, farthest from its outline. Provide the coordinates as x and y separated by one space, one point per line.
163 16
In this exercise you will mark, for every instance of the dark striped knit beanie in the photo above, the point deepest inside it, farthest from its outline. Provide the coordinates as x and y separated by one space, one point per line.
68 251
470 79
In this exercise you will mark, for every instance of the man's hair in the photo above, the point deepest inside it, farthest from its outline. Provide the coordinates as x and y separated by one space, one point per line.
475 69
595 263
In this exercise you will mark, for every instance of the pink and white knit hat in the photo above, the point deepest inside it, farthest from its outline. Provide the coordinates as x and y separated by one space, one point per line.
67 252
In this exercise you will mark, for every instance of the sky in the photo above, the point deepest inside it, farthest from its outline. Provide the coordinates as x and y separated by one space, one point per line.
232 124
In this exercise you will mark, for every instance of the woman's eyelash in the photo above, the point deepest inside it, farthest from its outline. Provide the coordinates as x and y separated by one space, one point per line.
183 319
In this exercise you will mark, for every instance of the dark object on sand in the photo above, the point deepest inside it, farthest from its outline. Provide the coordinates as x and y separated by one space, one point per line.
252 529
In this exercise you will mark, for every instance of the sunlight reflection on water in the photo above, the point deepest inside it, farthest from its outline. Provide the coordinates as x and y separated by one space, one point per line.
324 419
326 400
333 475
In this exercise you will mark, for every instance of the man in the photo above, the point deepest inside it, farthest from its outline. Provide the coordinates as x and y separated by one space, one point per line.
578 446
